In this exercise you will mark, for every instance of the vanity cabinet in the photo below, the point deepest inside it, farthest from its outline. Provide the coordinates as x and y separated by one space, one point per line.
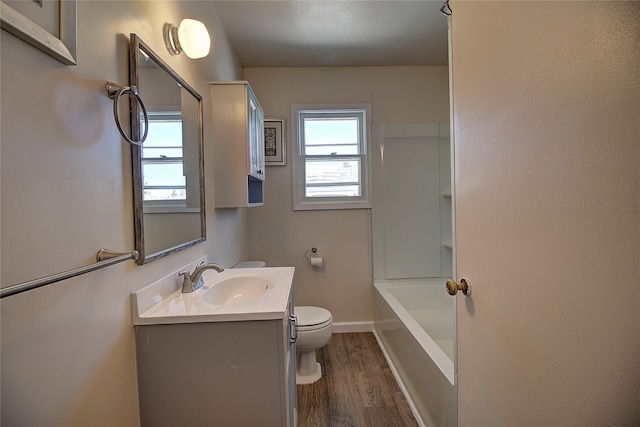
238 139
231 373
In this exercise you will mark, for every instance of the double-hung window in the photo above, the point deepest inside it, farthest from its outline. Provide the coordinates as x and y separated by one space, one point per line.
164 183
330 162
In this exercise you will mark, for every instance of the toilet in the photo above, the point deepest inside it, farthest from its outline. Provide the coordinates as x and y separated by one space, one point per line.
314 328
315 325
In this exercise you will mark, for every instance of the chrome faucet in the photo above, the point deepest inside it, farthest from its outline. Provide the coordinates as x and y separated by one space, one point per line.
192 282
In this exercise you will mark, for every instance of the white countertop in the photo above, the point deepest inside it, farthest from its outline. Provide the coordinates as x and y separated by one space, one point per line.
162 302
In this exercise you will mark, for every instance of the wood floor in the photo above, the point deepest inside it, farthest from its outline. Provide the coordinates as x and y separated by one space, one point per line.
357 388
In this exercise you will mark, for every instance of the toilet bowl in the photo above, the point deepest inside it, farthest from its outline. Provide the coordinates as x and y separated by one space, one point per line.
315 325
314 329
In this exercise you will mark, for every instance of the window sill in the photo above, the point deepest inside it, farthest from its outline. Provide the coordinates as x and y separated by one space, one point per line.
169 209
325 205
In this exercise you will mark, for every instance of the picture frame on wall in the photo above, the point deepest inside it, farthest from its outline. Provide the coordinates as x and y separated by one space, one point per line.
27 22
275 142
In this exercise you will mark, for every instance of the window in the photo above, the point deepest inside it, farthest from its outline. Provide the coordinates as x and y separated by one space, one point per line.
164 182
330 165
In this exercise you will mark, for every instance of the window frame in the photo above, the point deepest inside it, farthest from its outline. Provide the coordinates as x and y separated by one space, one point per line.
300 200
164 205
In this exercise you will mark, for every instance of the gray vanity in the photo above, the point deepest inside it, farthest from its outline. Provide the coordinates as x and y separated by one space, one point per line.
226 364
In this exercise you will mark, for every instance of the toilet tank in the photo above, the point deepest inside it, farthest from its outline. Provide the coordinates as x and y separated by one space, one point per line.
250 264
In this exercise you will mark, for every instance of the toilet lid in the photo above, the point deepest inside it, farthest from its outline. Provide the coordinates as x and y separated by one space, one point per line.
311 316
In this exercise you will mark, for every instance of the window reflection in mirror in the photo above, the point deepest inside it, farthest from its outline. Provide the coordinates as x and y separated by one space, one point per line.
168 167
164 182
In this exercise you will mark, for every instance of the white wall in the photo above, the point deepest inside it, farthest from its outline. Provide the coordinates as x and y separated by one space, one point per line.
68 349
546 101
280 236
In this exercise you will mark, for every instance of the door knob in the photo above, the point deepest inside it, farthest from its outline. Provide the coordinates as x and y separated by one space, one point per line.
453 287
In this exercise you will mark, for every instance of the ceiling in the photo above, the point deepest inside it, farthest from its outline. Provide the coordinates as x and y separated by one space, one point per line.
335 33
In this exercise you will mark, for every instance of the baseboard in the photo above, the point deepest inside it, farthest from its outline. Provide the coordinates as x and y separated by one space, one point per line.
347 327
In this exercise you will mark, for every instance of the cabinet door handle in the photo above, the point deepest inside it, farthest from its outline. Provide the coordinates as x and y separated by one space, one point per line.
293 328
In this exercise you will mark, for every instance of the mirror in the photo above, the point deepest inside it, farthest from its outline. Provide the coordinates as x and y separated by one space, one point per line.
168 169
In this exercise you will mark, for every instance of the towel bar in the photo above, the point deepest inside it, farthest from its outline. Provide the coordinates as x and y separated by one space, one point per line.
105 258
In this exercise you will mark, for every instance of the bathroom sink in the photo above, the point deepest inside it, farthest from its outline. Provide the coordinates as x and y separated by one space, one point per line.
232 295
238 289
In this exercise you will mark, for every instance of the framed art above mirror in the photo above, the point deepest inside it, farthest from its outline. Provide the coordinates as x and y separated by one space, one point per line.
168 168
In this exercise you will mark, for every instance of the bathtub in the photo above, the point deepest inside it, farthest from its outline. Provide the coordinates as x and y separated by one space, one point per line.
414 325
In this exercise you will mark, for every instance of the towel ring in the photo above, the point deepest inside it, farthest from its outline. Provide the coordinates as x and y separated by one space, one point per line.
115 92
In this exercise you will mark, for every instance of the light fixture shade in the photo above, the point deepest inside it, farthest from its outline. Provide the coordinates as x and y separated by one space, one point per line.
194 38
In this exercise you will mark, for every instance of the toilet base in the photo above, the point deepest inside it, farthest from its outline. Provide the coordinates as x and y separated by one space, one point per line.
309 378
308 370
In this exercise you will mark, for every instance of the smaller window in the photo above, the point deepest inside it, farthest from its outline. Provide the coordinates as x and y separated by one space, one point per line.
331 164
164 183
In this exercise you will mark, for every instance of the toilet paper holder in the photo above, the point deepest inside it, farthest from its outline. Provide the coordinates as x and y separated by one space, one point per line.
313 259
313 251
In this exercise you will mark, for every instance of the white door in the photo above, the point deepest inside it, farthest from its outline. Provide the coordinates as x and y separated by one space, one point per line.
546 117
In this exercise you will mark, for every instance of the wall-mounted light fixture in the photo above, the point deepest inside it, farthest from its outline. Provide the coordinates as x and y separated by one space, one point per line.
191 37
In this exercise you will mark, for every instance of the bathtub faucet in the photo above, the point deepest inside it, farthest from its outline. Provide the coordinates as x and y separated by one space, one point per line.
192 282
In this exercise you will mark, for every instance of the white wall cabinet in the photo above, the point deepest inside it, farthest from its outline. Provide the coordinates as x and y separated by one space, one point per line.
240 373
238 140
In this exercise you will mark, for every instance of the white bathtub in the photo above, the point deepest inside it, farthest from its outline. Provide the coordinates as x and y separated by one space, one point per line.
414 324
